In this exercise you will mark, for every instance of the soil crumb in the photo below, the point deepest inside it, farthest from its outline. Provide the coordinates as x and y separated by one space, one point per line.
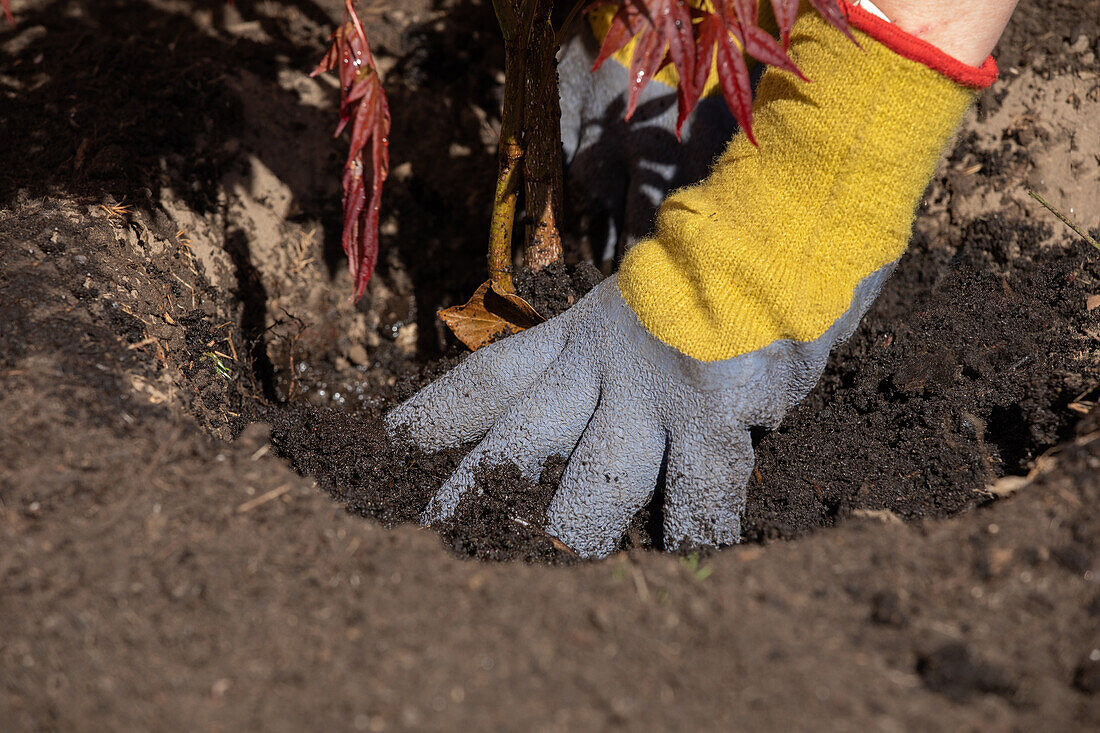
556 288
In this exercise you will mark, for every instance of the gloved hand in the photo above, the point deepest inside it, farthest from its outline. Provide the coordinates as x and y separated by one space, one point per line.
726 315
593 384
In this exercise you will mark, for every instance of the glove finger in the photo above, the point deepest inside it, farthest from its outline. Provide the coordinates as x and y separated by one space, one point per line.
548 419
464 403
611 475
705 484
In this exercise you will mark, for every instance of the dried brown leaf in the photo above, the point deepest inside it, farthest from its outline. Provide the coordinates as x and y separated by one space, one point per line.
490 315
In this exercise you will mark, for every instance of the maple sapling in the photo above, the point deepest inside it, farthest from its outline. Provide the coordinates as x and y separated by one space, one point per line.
530 148
706 43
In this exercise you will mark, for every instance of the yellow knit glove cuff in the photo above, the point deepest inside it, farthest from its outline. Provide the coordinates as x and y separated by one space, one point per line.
772 244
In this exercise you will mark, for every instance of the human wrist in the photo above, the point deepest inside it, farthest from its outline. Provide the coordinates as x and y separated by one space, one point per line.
967 31
905 44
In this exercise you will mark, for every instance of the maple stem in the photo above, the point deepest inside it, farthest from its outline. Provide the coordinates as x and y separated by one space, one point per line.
506 18
349 8
510 151
542 132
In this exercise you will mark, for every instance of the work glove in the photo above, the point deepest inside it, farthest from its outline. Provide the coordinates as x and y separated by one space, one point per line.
593 384
724 318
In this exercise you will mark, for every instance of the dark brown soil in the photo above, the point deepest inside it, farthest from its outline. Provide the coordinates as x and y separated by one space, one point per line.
556 288
960 374
183 384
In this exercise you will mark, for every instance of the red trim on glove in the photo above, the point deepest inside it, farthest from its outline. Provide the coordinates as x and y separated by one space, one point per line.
913 48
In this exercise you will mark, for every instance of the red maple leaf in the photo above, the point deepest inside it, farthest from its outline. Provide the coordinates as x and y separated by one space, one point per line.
363 103
831 11
691 38
664 30
786 10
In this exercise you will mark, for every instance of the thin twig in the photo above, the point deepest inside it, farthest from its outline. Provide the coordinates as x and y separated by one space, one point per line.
1065 220
182 282
263 498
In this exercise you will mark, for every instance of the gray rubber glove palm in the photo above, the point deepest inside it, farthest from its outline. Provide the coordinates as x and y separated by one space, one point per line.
594 385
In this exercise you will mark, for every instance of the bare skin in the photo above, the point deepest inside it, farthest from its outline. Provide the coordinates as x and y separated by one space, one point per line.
964 29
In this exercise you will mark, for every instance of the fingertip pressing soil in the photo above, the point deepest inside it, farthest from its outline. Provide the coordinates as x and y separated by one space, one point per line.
505 520
359 465
379 478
